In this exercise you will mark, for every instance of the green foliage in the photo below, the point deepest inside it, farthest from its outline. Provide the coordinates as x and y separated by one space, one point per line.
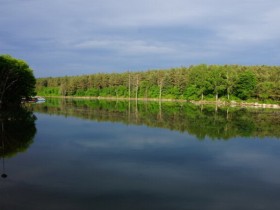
217 81
206 82
191 93
199 77
16 81
48 91
245 85
92 92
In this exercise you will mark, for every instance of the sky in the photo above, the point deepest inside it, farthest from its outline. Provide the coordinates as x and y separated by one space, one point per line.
76 37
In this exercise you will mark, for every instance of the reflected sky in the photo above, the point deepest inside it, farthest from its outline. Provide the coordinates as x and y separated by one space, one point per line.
82 164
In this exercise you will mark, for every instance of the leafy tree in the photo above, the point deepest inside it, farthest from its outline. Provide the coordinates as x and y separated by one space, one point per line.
198 77
217 81
160 82
191 93
265 89
245 85
16 81
231 77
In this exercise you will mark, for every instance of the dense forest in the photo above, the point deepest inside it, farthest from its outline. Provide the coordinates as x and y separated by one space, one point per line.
205 121
200 82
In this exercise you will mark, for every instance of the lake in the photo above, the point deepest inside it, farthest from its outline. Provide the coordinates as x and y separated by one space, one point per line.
93 154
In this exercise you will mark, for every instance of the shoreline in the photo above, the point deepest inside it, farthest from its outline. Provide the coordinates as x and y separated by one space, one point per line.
238 104
201 102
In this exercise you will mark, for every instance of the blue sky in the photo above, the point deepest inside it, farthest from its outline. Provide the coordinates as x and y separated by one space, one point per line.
73 37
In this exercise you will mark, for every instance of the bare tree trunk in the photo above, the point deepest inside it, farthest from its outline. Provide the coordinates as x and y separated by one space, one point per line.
160 82
129 84
136 87
160 91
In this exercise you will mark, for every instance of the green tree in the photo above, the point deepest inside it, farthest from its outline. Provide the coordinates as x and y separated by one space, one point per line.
217 81
198 79
16 81
231 77
160 82
246 84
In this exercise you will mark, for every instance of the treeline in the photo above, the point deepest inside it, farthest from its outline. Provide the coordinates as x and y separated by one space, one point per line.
200 121
228 82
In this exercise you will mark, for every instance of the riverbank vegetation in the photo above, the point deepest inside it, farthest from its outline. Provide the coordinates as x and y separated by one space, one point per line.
16 81
201 82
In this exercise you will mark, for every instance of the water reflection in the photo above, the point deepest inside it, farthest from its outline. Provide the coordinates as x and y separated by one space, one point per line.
96 164
200 121
17 130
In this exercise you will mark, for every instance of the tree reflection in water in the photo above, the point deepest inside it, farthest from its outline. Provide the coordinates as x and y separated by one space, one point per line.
17 130
204 121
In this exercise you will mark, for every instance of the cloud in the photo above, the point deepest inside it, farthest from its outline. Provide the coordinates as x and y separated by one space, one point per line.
176 32
127 47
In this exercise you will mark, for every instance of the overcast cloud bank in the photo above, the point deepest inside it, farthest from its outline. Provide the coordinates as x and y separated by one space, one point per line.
71 37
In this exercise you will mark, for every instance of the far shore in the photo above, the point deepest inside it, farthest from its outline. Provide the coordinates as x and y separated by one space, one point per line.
201 102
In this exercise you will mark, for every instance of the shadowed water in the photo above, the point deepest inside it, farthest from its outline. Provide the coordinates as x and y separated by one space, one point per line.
128 155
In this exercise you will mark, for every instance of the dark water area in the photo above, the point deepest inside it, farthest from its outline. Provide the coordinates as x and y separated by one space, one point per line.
82 154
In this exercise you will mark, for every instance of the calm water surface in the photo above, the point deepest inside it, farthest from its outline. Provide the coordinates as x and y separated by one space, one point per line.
79 163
